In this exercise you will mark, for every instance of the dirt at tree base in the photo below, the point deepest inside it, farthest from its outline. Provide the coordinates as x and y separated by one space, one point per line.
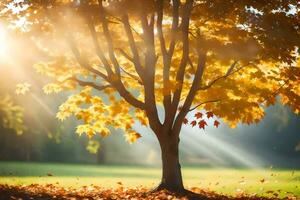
93 192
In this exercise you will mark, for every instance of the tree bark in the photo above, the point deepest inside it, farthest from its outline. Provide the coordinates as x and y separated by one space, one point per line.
171 170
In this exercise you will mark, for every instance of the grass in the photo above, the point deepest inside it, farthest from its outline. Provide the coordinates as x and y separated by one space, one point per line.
221 180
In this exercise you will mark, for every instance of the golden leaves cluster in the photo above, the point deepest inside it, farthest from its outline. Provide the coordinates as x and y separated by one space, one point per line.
243 95
99 114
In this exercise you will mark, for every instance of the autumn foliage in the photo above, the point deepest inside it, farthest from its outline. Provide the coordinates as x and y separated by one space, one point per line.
53 191
130 60
250 57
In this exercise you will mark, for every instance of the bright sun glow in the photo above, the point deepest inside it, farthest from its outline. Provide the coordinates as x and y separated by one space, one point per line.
3 43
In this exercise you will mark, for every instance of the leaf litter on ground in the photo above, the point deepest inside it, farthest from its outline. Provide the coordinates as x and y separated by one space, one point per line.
93 192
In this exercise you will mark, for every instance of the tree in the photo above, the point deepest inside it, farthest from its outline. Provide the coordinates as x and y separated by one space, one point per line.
11 115
132 58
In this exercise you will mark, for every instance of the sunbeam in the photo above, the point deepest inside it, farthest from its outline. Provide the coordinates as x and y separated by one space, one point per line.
211 143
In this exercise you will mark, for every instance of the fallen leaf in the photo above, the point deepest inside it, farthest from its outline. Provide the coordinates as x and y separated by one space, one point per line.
262 180
49 174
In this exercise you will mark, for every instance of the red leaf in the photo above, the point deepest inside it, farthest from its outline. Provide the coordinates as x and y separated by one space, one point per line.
209 114
216 123
198 115
185 121
202 124
193 123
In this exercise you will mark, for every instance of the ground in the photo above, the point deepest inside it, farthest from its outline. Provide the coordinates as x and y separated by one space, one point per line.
115 180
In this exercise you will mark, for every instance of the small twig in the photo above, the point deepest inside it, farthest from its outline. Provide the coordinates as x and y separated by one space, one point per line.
205 102
276 92
191 64
126 55
91 84
228 73
131 27
132 76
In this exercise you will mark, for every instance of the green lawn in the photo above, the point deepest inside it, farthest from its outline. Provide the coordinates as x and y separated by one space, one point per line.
221 180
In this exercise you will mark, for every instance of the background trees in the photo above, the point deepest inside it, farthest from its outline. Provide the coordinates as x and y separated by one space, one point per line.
11 115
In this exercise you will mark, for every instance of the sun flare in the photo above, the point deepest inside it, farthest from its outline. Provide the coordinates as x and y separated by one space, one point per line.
3 43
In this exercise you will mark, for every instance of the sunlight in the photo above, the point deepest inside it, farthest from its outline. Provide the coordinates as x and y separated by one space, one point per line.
42 104
3 44
167 81
12 56
205 141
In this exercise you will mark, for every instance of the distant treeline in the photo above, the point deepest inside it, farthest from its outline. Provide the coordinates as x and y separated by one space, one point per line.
42 147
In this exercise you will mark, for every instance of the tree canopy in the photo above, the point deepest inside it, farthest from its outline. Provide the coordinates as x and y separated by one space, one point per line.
127 59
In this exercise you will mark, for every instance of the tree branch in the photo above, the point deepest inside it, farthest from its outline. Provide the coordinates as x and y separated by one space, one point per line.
98 49
205 102
191 64
132 76
175 21
193 91
108 38
228 73
132 44
121 20
128 96
150 68
166 61
185 54
126 55
277 91
91 84
83 63
159 10
117 84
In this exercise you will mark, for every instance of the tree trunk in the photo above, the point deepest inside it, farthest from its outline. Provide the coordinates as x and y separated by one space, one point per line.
171 170
101 153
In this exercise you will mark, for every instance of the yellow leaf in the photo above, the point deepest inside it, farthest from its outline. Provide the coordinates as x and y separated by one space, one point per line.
52 88
22 88
132 136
